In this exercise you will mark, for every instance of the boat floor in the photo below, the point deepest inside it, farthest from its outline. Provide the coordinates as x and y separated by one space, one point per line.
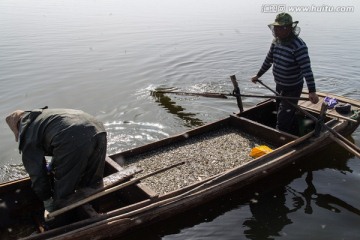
205 155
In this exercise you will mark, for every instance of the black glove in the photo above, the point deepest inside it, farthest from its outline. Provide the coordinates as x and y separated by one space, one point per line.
236 91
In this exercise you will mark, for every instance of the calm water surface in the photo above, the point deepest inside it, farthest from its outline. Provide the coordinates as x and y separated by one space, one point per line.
105 57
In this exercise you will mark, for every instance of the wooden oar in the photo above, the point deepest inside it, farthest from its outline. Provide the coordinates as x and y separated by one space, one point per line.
225 95
107 191
108 182
346 146
344 142
203 94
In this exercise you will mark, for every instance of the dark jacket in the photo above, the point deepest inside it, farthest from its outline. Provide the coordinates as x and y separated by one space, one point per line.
44 131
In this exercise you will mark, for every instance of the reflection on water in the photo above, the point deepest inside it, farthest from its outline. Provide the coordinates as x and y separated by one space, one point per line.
270 211
269 215
164 101
325 201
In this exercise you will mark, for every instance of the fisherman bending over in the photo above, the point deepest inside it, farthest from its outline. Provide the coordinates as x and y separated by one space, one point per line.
75 140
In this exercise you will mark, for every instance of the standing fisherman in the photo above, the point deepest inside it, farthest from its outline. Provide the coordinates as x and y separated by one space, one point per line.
289 57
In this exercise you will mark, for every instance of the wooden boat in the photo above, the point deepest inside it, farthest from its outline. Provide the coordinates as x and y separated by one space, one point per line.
137 205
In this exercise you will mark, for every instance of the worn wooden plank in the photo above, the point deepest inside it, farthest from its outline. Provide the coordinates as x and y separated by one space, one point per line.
353 102
148 191
331 112
145 189
120 176
113 164
107 191
112 226
108 182
88 211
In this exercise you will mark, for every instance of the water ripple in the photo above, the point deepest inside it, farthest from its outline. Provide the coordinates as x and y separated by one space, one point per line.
123 135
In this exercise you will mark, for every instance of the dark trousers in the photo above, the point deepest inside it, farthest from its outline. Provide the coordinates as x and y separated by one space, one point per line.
78 167
285 112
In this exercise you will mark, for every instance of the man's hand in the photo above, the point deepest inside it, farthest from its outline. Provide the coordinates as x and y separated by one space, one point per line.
254 79
313 97
236 91
49 205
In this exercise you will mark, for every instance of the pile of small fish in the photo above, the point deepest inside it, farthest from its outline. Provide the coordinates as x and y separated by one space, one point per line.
204 155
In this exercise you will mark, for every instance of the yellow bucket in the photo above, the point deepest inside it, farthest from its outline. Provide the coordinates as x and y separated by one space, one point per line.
259 151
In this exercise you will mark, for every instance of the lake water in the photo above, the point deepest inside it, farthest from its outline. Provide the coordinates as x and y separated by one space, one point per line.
104 57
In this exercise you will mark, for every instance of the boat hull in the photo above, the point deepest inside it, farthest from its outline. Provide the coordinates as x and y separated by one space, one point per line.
138 205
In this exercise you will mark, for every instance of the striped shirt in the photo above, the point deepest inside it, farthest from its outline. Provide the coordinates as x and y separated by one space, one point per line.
291 64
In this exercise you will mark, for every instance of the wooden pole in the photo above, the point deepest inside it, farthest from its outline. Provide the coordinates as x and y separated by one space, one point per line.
204 94
225 95
343 139
320 121
274 97
346 146
332 131
237 93
107 191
